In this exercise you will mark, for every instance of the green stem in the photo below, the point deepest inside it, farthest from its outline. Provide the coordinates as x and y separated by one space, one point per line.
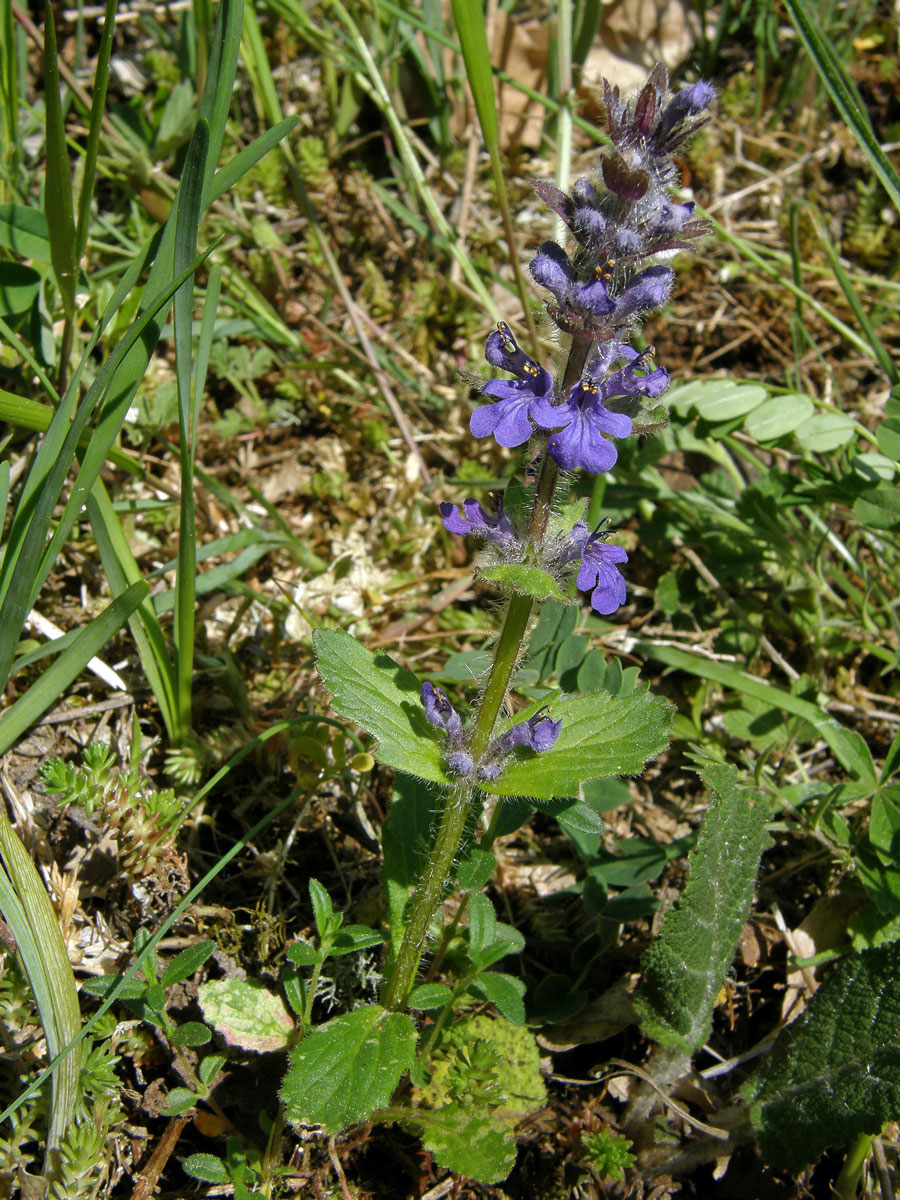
506 653
402 973
849 1178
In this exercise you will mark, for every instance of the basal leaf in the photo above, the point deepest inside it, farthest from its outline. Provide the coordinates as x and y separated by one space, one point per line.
469 1145
246 1014
832 1075
525 581
684 968
601 735
383 698
348 1068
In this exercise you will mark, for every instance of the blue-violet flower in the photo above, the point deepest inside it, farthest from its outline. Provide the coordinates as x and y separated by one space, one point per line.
537 733
441 712
493 527
508 419
599 567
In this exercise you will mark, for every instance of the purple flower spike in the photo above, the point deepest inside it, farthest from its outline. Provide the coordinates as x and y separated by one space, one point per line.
460 763
508 420
645 292
537 733
441 712
552 269
599 570
493 527
585 419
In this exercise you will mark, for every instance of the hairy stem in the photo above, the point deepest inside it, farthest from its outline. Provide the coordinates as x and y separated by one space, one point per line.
402 973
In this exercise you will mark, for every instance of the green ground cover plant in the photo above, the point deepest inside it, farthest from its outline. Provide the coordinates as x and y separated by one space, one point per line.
339 859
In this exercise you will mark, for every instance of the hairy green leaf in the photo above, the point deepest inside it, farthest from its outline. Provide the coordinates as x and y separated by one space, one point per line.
684 968
525 581
246 1014
505 991
347 1068
382 698
469 1145
184 965
601 735
832 1075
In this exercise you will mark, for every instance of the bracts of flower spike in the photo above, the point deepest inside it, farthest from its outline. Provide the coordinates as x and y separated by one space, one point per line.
538 733
623 226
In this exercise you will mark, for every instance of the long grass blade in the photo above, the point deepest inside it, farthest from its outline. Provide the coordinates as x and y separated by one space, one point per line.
46 691
121 570
186 233
98 103
228 176
34 561
832 74
469 18
52 445
58 191
32 922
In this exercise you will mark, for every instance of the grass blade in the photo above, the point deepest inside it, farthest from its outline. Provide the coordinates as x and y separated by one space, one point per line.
54 681
29 914
33 564
187 229
242 162
469 18
98 103
58 190
842 94
122 571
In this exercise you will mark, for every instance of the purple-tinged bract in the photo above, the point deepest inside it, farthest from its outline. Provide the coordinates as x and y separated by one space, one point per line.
493 527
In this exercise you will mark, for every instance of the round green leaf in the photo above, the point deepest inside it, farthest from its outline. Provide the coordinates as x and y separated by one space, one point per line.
192 1033
206 1167
889 438
724 400
873 466
682 399
246 1014
778 417
19 285
824 431
879 508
